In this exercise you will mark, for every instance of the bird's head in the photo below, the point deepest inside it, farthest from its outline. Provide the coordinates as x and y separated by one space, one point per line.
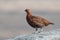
27 10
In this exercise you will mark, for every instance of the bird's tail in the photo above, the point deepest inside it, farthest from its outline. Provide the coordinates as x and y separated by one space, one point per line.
51 23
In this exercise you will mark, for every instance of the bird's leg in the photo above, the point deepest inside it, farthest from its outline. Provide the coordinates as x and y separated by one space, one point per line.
41 30
36 29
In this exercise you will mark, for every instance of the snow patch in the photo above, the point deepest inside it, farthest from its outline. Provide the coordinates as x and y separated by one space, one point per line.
49 35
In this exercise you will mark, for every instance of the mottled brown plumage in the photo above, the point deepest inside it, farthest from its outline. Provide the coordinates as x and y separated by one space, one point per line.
35 21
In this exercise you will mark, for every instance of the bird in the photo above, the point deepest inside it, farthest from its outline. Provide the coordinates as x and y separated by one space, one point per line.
36 21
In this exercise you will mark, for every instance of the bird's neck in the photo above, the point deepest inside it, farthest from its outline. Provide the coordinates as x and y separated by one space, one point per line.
29 13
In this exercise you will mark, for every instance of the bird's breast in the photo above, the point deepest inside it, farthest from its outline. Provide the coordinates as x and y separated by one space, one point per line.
30 22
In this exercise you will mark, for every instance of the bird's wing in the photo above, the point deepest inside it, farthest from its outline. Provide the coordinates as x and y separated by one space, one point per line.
41 21
37 20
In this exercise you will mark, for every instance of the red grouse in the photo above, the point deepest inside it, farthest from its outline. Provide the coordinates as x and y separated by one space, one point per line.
35 21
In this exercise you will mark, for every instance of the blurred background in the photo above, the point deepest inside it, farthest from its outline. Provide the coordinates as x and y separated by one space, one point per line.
13 17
